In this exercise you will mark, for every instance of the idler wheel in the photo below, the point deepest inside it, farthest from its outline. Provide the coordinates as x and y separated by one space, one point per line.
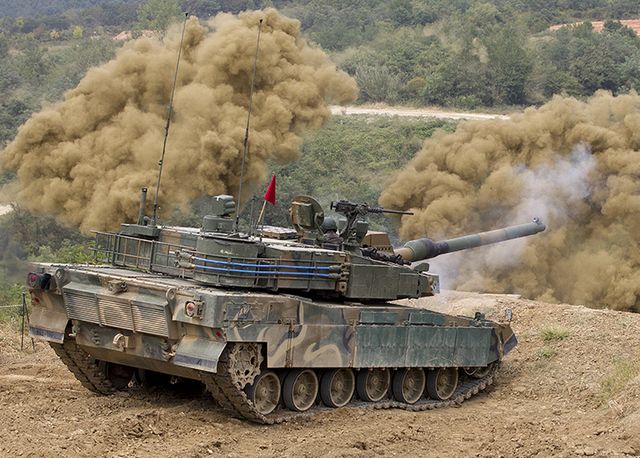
408 384
264 393
120 376
373 384
442 383
337 387
300 389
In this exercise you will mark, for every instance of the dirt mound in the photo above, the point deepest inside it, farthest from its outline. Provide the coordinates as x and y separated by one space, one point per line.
571 387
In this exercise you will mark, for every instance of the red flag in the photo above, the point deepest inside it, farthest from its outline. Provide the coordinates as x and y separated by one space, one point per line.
270 195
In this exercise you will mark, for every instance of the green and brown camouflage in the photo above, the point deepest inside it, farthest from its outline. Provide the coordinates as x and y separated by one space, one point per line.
262 319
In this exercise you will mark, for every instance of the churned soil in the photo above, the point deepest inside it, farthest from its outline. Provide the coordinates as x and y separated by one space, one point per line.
571 387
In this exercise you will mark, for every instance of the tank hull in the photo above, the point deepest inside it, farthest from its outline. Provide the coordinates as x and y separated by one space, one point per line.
181 328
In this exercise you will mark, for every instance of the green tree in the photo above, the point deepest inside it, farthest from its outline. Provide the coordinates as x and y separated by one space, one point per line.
509 67
461 79
401 12
33 65
158 14
13 112
586 61
202 8
377 84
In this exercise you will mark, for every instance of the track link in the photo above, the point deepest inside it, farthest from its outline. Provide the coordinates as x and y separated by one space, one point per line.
234 400
83 367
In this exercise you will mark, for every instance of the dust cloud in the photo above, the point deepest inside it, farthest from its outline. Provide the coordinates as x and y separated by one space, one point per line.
575 164
84 159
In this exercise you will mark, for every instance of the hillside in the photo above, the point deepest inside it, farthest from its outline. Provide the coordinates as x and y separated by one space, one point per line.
571 388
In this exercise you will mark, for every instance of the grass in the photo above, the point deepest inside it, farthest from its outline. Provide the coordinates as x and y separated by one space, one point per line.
554 334
547 353
551 335
623 371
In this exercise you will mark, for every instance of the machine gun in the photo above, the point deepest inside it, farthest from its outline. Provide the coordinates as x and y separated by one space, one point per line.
352 211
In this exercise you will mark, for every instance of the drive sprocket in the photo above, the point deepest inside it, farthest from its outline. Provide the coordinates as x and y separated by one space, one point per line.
245 360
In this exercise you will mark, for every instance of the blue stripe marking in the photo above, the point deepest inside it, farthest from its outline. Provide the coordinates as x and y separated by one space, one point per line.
261 272
261 266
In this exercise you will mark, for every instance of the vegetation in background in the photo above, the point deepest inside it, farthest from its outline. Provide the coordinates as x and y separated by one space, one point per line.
463 53
10 295
33 73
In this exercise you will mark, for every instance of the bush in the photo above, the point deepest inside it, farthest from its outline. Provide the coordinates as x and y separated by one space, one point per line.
377 84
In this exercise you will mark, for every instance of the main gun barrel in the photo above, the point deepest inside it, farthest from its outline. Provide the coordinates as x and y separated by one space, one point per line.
419 249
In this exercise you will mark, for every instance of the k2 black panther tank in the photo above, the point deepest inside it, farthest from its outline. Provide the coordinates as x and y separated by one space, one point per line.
274 323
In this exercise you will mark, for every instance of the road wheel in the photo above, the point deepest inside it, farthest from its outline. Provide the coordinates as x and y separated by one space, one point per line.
442 383
337 387
264 392
300 389
373 384
408 384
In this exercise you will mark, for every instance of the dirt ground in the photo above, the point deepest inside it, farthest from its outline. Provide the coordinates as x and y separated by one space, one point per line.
575 393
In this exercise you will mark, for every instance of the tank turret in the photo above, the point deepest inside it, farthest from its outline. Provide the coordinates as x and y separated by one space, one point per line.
324 260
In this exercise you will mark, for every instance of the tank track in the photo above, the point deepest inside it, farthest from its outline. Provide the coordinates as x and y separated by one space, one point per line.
234 400
83 367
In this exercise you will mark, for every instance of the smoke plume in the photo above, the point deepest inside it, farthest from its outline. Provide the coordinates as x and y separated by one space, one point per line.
85 158
575 164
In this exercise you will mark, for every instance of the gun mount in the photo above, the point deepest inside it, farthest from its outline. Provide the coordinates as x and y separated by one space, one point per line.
352 211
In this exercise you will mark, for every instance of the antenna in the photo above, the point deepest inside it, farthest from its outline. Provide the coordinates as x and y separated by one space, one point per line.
166 127
246 132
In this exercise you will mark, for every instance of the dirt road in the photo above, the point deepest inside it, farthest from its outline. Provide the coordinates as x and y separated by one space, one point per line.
411 112
575 393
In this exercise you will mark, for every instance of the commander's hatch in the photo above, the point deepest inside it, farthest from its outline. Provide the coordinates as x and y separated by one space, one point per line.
307 216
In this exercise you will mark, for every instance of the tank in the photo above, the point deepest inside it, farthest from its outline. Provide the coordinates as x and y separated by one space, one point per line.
275 322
